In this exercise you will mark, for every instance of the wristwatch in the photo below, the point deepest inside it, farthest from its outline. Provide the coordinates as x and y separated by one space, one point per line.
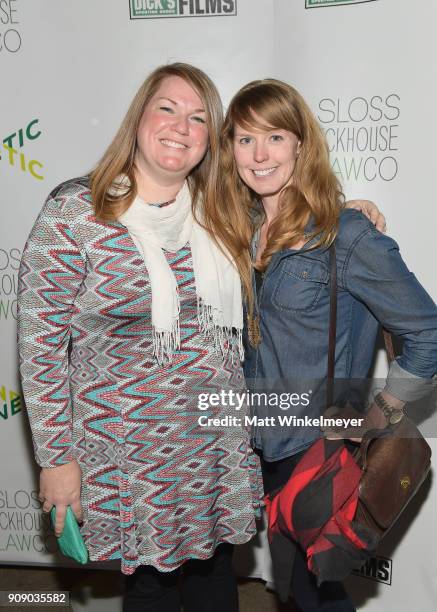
393 415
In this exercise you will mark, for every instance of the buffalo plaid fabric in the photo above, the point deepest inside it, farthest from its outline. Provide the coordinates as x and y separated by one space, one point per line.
316 508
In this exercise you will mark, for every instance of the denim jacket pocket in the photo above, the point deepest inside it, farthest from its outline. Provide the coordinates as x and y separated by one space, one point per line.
300 282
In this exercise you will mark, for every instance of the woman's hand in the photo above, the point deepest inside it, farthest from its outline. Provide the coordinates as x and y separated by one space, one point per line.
355 424
60 487
371 211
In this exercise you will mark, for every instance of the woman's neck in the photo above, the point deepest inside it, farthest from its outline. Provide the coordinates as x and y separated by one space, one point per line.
271 211
151 189
271 207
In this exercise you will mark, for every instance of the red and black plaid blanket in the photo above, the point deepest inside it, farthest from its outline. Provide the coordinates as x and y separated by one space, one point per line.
316 508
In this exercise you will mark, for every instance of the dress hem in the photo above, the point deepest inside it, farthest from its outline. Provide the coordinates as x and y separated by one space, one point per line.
130 569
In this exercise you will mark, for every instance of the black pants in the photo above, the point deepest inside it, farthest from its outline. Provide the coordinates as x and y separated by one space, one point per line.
330 596
206 586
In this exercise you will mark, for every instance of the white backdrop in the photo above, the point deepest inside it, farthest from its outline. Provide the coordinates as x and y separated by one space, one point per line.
69 71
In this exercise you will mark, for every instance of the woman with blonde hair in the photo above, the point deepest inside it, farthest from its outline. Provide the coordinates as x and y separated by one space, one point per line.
281 212
128 310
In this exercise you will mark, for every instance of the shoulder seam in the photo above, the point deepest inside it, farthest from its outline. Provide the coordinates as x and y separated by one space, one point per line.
349 253
81 180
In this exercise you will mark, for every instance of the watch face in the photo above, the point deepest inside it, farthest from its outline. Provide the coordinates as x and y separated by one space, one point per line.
396 416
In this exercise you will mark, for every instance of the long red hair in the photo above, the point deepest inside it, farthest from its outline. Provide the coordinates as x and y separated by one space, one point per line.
315 192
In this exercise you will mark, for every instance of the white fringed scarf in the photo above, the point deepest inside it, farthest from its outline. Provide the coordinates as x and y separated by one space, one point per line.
218 288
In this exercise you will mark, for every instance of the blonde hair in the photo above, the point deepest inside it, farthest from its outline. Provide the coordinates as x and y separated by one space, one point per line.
119 158
315 192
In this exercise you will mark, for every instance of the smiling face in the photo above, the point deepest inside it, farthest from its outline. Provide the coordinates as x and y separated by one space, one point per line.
265 159
172 136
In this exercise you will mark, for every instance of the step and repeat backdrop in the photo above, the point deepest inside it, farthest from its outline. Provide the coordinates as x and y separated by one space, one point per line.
68 72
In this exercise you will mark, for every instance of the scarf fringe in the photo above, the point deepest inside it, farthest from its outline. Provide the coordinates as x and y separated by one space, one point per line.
225 338
155 230
166 342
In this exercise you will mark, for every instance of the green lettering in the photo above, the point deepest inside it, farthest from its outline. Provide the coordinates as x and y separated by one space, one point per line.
353 168
24 542
336 168
11 542
15 403
29 134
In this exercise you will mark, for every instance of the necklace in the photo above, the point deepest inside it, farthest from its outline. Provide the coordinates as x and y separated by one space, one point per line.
253 330
161 204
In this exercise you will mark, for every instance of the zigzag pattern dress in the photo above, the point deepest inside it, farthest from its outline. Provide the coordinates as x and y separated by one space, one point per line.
157 489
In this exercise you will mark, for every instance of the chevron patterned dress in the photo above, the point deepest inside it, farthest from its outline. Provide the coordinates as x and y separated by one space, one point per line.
157 488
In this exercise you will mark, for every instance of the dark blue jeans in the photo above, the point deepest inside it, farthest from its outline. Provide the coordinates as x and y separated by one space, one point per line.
290 570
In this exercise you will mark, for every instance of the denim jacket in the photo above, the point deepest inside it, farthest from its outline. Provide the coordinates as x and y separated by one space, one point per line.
374 286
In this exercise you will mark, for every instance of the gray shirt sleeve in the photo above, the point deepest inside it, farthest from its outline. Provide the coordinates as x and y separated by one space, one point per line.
408 387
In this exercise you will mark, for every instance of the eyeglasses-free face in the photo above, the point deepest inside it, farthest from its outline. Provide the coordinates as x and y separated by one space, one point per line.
172 136
265 159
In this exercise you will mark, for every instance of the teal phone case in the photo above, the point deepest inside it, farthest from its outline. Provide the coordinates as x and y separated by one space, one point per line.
70 542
